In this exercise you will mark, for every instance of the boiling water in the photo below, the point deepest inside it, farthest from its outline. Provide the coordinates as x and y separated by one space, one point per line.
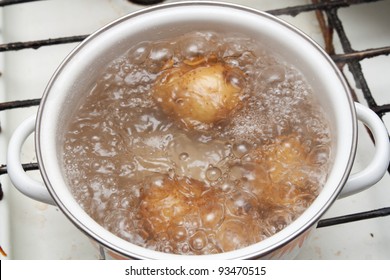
202 188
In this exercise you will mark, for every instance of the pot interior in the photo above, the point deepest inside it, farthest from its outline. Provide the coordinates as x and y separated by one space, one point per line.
80 70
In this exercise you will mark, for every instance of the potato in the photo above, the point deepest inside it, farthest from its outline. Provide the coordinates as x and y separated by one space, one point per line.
166 201
200 96
286 165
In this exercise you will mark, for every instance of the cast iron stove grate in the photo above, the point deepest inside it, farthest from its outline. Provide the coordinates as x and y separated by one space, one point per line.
329 21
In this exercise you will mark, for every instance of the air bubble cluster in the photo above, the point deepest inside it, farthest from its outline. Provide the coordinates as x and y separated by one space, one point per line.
152 181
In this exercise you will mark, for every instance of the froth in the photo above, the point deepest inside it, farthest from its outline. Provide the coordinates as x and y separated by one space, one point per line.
160 183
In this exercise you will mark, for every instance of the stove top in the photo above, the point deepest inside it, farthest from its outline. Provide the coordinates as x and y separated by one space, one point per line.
33 230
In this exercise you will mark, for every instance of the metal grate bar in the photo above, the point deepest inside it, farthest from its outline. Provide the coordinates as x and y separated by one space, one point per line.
360 55
354 66
4 3
26 167
354 217
324 5
19 104
16 46
293 11
352 58
382 109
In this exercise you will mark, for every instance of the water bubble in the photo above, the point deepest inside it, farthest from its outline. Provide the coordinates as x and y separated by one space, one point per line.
193 46
184 156
167 249
75 181
185 248
273 74
211 214
140 52
240 203
319 155
157 181
160 53
198 241
171 173
235 78
126 202
177 233
241 149
233 234
213 173
236 172
228 186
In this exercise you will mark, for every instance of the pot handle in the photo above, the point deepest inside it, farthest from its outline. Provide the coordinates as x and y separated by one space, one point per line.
377 168
18 176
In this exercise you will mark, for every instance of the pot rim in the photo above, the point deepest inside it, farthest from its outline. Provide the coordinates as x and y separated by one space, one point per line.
125 248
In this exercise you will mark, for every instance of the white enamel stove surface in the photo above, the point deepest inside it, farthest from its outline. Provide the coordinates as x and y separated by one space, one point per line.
32 230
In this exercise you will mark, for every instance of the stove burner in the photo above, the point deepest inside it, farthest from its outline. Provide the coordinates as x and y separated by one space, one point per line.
146 2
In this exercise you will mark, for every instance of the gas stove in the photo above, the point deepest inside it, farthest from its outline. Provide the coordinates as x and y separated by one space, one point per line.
37 35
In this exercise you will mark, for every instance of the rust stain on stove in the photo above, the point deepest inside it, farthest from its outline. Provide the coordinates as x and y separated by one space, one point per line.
4 254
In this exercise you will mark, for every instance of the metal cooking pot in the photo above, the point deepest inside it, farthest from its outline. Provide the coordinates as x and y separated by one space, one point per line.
81 68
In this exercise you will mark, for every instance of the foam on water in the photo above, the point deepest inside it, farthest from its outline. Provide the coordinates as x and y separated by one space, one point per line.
207 189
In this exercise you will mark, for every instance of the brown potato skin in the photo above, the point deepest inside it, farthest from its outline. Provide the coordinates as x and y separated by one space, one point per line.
283 164
199 96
